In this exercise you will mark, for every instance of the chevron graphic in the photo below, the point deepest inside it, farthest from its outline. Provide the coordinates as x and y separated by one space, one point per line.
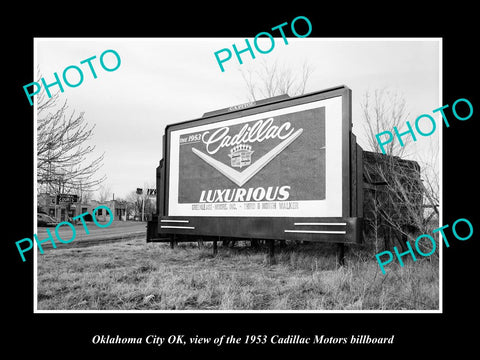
240 178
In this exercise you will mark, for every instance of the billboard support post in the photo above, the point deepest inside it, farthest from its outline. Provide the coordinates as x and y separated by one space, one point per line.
215 248
340 254
271 252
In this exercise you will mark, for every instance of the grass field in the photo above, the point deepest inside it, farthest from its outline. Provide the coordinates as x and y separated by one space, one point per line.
134 275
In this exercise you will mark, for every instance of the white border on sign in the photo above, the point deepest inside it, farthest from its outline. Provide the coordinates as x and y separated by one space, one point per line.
331 206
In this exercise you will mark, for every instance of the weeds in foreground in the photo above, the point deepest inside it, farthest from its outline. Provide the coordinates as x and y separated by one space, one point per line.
139 276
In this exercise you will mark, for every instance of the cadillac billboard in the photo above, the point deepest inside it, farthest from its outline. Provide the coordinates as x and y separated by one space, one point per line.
277 159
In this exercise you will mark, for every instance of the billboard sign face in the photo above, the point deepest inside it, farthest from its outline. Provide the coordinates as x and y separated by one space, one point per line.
285 160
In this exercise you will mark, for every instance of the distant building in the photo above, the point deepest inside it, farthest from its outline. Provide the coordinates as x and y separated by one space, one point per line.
117 208
68 209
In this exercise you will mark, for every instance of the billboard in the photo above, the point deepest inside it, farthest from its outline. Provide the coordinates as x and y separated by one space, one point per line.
279 161
272 163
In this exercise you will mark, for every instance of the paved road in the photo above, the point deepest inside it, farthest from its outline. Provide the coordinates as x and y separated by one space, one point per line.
117 231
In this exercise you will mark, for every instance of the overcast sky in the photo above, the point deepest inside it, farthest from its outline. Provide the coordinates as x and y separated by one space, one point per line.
167 80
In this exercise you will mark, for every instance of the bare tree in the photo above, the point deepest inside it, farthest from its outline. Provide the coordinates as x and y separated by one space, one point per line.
142 204
429 161
135 202
404 195
104 193
382 111
395 199
64 161
269 80
85 195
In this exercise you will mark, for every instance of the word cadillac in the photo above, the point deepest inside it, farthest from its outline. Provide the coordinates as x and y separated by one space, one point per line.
240 155
258 132
50 237
255 42
69 82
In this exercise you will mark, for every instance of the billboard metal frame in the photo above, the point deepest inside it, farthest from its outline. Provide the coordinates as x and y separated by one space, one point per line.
341 229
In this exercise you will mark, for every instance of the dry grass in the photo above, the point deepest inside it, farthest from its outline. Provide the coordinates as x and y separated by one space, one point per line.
136 275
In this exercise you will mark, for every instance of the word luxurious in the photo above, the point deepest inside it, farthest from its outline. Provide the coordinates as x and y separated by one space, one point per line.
417 127
240 194
255 42
50 237
68 81
430 238
258 132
